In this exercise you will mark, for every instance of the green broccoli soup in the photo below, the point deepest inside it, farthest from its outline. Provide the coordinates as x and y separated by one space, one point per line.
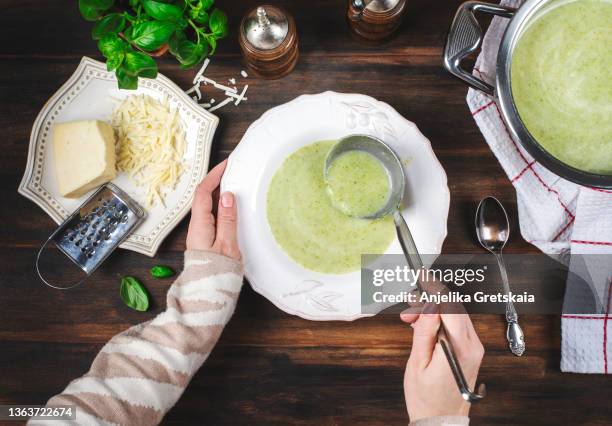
357 184
561 76
309 228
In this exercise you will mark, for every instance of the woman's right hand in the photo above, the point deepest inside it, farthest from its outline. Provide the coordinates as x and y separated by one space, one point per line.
429 386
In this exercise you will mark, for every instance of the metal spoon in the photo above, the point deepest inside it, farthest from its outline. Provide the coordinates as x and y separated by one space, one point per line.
397 179
493 230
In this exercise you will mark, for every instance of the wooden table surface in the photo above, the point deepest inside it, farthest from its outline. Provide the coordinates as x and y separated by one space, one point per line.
269 367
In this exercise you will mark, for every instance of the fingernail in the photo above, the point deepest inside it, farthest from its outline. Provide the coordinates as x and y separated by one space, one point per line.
227 199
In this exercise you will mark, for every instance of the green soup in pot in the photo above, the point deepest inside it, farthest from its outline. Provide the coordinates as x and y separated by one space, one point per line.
306 225
561 75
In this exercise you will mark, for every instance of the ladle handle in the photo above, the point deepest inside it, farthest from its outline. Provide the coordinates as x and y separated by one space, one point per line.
451 357
416 263
464 37
407 242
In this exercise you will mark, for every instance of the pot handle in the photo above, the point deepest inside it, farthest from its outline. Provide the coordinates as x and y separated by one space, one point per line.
465 36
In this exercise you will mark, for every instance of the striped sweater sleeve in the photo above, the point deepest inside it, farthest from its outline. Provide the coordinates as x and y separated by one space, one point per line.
442 421
141 373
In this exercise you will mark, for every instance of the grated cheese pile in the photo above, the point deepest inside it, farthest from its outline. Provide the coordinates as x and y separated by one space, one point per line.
150 145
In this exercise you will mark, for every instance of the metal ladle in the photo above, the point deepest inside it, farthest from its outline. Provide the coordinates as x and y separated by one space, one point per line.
493 230
393 166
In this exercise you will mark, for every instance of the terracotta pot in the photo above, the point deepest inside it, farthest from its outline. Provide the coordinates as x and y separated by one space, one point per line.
155 54
159 52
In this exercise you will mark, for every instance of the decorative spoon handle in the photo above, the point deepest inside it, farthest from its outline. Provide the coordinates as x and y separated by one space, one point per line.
514 333
516 338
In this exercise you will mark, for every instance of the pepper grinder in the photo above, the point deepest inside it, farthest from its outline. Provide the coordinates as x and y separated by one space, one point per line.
375 20
269 41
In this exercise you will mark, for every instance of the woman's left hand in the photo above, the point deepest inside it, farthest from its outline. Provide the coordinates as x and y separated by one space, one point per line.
207 233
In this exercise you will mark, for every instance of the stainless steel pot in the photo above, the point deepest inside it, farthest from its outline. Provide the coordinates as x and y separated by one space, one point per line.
465 37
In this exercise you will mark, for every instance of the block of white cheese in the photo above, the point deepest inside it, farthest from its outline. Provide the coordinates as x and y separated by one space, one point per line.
84 156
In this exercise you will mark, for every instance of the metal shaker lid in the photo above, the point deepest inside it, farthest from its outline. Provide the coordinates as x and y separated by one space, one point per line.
375 5
265 27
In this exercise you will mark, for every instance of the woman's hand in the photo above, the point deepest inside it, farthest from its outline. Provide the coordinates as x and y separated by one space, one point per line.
429 386
204 232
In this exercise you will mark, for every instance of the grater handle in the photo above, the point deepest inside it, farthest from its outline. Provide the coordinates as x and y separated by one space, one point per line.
40 275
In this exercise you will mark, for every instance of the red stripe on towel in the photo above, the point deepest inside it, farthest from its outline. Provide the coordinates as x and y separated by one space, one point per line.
527 167
605 191
606 317
485 106
594 243
569 222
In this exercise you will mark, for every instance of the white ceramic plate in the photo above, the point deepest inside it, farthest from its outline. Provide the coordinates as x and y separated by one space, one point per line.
92 93
286 128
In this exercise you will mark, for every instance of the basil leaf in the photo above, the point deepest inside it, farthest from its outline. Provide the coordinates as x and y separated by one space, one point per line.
89 13
174 42
91 10
182 23
111 23
161 271
140 64
212 41
218 23
189 53
206 4
126 80
150 35
114 61
134 294
162 11
201 17
111 45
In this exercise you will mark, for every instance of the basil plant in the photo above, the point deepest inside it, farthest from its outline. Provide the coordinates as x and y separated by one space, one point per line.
129 33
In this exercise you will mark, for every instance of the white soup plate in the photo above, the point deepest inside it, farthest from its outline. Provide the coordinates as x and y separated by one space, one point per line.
283 130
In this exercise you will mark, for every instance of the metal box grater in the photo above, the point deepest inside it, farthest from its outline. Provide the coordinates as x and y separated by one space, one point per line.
95 230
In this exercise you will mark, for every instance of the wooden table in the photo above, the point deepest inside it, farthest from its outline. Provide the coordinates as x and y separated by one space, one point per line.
269 367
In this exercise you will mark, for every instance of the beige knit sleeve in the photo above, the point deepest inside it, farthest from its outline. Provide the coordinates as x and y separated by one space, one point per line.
141 373
442 421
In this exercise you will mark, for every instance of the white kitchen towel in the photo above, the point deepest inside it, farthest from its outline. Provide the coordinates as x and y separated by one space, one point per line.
558 216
